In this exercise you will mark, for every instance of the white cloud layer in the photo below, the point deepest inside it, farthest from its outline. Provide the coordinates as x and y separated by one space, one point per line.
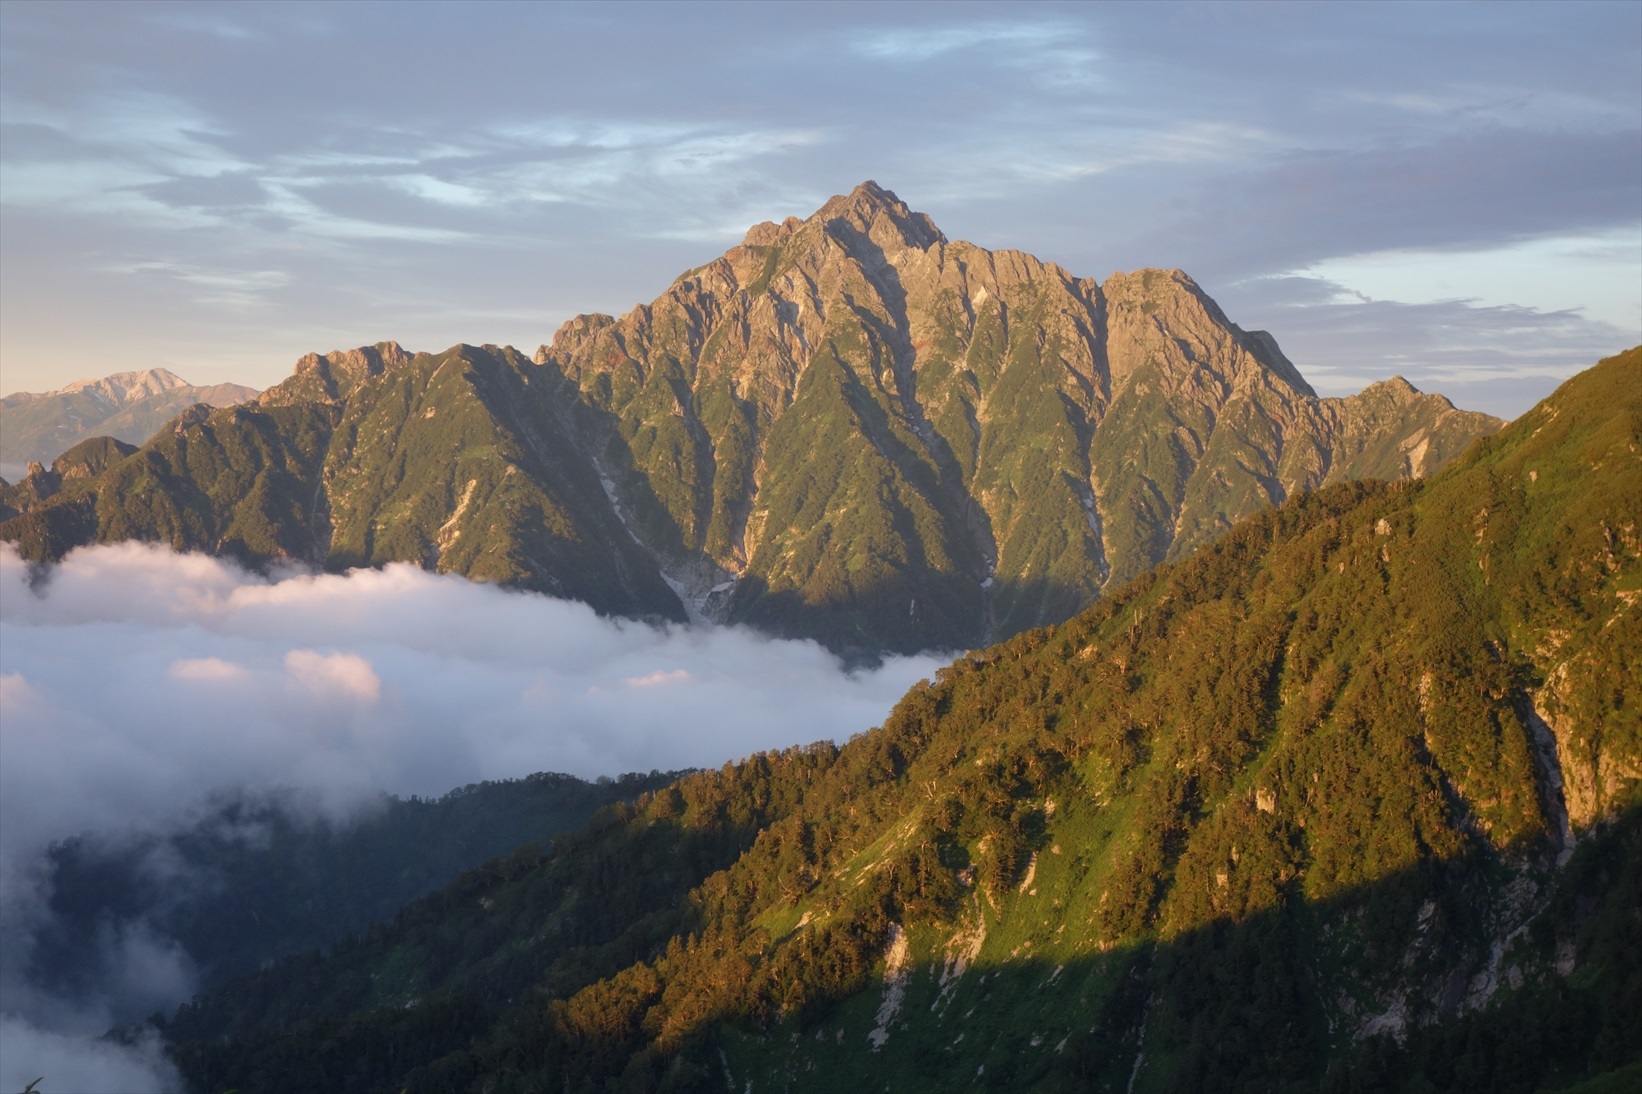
67 1062
134 682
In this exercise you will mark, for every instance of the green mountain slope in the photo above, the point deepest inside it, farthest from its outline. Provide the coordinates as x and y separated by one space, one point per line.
128 406
846 428
450 460
1350 799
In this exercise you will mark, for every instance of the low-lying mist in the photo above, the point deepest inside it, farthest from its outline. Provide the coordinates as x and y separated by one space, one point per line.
135 683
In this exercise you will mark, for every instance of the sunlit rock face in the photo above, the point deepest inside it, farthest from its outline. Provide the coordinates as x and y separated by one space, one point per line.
927 437
847 428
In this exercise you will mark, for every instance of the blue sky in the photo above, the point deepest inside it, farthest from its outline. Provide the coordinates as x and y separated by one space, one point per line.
1452 192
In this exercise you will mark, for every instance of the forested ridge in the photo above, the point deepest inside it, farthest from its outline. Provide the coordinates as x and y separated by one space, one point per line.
1348 800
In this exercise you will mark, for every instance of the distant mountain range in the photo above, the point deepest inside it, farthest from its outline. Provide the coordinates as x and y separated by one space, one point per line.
846 428
129 406
1349 800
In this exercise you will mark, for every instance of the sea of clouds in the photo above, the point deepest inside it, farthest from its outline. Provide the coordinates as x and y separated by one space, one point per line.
136 682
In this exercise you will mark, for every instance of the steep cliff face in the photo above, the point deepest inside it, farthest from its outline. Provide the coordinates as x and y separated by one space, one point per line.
457 461
851 415
845 428
1564 501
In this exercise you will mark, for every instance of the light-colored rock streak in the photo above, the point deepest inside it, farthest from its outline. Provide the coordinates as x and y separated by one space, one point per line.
897 962
449 530
1031 873
961 953
1549 771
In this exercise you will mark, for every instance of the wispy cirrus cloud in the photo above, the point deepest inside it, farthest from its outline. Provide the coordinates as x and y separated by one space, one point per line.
1498 358
411 171
234 290
1009 37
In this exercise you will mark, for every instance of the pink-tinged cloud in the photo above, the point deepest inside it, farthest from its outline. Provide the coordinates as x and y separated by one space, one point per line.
338 674
206 668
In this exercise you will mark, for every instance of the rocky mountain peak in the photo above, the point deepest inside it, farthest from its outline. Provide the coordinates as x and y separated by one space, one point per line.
872 212
1396 389
575 332
337 374
119 388
846 429
1386 398
370 360
1150 310
993 394
769 234
128 405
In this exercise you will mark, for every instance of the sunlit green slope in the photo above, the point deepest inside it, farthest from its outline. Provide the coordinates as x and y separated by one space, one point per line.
1348 800
451 460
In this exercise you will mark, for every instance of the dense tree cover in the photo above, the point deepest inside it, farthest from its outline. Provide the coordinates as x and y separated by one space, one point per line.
254 879
1276 817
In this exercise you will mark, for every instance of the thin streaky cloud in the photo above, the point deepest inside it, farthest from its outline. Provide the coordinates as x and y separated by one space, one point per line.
923 44
500 154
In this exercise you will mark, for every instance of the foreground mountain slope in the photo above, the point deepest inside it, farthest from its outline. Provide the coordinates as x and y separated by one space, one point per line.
1351 799
846 428
128 406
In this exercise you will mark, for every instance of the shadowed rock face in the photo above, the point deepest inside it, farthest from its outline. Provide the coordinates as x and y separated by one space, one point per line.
847 428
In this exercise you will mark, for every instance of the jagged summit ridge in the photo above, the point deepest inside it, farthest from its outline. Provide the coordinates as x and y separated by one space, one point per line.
858 212
846 427
331 377
871 211
988 388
